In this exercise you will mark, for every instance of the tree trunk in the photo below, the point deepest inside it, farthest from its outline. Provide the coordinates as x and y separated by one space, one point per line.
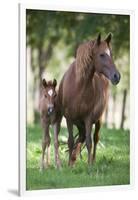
41 66
34 86
43 58
123 109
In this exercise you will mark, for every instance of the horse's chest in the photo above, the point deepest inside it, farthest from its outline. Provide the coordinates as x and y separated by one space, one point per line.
88 105
86 101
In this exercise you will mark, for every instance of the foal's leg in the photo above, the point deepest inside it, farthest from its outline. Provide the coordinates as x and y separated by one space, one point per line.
70 140
96 137
56 144
88 127
45 144
48 152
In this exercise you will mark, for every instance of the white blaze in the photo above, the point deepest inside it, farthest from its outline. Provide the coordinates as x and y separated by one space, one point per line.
107 51
50 92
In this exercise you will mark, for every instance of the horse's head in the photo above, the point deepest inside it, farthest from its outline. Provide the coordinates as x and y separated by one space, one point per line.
49 94
103 60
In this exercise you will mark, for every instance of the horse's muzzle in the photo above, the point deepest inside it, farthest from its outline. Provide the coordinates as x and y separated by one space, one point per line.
50 110
115 78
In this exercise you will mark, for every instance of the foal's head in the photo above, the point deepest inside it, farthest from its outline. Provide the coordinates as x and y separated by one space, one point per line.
49 94
103 60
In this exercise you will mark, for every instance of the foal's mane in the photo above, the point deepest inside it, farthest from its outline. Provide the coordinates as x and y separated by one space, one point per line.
84 59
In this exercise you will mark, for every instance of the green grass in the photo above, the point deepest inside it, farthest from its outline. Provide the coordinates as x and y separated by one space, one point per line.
112 165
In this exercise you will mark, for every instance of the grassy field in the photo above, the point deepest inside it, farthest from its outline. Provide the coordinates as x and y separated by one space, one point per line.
112 165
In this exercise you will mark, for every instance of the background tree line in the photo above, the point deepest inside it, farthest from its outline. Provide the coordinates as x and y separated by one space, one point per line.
52 40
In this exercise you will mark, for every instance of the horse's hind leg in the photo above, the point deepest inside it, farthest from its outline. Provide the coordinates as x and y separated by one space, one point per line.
56 144
79 142
70 140
96 137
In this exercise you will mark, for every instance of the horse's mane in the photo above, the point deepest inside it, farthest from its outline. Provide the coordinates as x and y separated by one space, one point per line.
84 59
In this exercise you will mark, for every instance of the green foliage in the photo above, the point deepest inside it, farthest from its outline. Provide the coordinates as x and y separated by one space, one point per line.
74 28
112 166
41 27
51 27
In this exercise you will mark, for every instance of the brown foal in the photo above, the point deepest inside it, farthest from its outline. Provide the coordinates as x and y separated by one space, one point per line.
50 115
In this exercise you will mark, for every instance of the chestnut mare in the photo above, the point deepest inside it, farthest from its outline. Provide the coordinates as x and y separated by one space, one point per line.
50 115
83 93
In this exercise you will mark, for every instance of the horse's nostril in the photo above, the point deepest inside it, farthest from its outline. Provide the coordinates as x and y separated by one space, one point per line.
50 109
115 76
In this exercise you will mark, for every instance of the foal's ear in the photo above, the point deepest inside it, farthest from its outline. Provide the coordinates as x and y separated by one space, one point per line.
54 82
44 83
108 38
98 40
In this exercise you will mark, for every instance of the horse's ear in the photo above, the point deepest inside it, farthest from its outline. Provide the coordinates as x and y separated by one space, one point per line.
54 82
108 38
98 40
44 83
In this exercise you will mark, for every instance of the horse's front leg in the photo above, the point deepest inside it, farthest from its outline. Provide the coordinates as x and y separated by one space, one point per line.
56 144
96 137
88 127
70 141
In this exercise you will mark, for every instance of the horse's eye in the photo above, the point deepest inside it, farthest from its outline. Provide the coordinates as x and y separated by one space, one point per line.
55 95
45 96
101 55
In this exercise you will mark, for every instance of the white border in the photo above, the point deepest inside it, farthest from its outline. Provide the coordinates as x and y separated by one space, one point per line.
22 99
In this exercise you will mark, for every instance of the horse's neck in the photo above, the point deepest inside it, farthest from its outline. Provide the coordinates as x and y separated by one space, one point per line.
93 83
86 79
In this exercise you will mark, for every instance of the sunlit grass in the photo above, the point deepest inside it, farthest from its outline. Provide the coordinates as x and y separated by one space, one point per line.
111 167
